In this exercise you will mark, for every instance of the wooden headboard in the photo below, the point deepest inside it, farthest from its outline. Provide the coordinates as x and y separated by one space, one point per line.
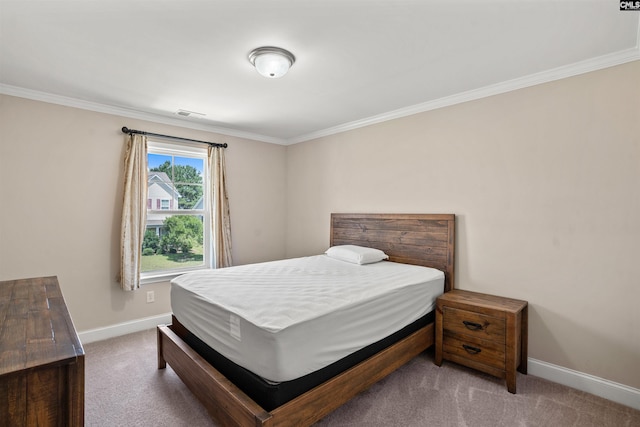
420 239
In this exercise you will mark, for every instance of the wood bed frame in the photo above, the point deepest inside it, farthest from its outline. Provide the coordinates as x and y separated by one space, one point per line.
420 239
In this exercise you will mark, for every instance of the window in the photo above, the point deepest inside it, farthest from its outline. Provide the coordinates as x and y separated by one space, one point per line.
177 237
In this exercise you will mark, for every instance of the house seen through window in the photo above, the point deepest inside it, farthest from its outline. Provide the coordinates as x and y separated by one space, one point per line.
176 237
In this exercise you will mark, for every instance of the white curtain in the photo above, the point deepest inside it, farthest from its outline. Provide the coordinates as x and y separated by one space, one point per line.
134 211
220 220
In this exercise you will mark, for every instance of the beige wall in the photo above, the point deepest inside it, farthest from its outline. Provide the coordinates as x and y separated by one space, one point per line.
61 197
545 182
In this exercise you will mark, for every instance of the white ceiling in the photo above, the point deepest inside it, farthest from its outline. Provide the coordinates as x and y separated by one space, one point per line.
357 61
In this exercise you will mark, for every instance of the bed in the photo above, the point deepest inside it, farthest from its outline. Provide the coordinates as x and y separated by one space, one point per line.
412 239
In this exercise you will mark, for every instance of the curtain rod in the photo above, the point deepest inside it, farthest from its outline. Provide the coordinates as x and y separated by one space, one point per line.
141 132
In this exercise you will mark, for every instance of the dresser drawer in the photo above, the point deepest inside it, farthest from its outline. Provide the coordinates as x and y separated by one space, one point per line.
474 324
476 350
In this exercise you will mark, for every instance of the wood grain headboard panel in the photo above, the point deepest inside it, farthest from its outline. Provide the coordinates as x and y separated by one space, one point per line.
419 239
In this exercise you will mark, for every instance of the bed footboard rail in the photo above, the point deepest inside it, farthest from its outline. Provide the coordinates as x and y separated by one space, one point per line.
315 404
222 399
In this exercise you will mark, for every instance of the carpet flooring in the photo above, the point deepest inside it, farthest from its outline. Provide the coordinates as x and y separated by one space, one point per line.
124 388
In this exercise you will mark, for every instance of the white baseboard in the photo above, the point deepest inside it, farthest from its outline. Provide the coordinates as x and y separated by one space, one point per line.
609 390
119 329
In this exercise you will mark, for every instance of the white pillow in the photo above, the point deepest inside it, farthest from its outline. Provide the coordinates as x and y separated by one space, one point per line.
356 254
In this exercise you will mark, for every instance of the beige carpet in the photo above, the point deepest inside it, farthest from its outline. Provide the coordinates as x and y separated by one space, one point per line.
124 388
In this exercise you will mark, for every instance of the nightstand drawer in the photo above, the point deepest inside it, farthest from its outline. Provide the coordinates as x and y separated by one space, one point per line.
476 350
474 324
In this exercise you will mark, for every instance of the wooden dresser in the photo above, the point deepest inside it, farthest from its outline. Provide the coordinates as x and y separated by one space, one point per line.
41 357
484 332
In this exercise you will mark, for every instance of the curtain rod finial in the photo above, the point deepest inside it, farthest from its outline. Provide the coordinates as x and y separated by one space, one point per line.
125 129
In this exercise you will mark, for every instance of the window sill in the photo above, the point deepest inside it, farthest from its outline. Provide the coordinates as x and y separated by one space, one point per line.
150 278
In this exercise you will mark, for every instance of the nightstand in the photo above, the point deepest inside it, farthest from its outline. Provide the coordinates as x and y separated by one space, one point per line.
484 332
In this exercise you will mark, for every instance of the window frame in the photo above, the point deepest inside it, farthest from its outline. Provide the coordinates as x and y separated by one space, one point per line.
182 149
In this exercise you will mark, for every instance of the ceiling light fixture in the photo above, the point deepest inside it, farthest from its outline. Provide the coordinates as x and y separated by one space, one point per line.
271 62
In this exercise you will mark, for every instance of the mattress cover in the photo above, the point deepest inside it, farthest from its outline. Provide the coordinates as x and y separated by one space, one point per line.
284 319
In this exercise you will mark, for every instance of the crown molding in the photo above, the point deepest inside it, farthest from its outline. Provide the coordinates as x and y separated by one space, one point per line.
575 69
131 113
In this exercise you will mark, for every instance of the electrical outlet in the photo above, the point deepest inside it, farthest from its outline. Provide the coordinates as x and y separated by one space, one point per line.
151 296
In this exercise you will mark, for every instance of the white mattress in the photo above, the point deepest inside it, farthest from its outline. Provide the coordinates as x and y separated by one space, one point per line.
284 319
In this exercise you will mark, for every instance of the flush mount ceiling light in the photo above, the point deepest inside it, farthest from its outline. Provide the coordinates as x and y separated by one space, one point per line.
271 62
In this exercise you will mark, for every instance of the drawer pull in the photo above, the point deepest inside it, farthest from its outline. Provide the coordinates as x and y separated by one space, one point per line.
471 349
472 325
